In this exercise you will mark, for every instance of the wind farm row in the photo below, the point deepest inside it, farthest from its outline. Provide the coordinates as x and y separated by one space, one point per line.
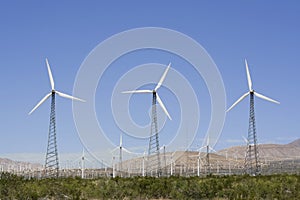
157 161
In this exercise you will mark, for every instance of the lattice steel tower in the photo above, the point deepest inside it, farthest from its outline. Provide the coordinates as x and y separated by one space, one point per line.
51 163
153 163
252 164
207 160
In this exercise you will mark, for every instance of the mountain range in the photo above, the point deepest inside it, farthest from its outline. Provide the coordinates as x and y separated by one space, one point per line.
235 154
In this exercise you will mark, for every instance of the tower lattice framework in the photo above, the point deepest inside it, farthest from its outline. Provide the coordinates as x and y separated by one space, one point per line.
120 161
252 165
153 163
51 163
208 167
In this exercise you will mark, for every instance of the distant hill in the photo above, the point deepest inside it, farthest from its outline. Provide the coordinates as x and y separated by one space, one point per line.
295 143
270 152
225 158
234 155
15 166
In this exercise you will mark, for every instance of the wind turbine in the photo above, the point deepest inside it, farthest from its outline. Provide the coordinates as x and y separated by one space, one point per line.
172 163
163 148
83 160
143 165
252 159
121 148
154 142
208 150
82 164
51 163
198 160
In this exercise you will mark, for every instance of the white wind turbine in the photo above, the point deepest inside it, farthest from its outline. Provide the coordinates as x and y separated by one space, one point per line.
82 162
208 150
251 163
143 165
154 148
121 149
51 164
163 148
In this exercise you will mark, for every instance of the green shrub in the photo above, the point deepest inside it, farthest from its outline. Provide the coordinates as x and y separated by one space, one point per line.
212 187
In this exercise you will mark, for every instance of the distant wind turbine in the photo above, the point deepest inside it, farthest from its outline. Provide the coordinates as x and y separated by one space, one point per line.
208 150
121 149
252 159
83 159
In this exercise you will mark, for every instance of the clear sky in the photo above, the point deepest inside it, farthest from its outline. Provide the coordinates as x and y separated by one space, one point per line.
266 33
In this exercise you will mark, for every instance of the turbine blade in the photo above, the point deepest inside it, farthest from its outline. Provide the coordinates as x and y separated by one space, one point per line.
127 151
68 96
238 101
50 75
162 106
212 149
137 91
162 78
42 101
115 149
121 140
248 76
246 141
162 147
265 98
201 148
207 143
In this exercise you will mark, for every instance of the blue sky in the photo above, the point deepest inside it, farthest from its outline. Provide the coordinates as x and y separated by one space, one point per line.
266 33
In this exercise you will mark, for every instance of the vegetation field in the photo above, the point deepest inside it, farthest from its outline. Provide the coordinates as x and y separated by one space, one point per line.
211 187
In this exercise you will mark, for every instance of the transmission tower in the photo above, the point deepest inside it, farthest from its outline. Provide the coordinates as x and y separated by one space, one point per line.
153 164
252 166
51 163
